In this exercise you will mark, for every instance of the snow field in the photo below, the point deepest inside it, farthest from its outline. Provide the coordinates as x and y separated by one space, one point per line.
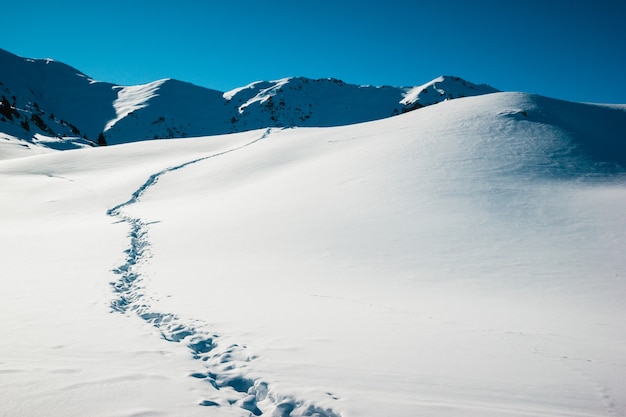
343 246
464 259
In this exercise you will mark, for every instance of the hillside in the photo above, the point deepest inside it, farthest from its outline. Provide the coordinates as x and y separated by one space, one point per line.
50 104
465 259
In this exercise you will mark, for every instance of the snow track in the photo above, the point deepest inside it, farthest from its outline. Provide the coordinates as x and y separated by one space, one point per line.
228 384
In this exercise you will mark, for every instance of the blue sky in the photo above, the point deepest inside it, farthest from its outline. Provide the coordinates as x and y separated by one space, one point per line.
573 50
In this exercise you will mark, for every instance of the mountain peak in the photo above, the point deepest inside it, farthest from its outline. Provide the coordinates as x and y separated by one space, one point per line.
444 87
66 103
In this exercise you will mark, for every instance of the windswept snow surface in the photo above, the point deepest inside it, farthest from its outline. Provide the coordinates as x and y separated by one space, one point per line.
464 259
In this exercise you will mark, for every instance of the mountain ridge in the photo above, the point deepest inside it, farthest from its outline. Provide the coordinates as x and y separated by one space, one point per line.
52 104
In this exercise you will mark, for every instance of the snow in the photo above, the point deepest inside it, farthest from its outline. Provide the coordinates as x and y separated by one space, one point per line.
132 98
228 95
444 86
264 94
12 147
462 259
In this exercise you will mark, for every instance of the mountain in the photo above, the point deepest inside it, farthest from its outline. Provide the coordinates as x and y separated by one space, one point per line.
47 98
465 259
48 103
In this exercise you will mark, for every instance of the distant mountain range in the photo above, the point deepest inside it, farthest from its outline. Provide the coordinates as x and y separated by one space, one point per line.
50 104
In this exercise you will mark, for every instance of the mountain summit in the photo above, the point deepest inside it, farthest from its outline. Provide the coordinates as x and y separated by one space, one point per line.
56 105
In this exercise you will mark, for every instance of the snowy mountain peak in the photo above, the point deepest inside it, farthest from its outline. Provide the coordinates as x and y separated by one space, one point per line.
273 88
444 87
46 98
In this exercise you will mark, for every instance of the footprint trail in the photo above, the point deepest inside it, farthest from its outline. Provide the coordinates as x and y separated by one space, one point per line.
227 384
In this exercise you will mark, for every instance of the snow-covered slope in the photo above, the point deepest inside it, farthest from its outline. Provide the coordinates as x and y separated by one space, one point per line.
463 259
50 98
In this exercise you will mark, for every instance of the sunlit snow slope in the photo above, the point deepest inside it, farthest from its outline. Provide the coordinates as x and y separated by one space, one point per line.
463 259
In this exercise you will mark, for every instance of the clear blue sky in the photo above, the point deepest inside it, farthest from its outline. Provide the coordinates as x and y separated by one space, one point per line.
574 50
